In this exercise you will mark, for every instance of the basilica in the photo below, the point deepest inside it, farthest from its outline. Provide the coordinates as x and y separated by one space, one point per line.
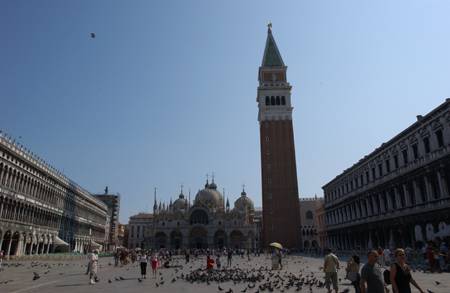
209 222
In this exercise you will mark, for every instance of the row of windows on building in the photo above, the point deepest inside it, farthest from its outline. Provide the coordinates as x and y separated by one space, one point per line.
21 183
137 231
275 100
383 168
418 191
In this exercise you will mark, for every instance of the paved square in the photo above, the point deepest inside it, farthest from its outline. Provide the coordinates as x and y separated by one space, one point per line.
70 277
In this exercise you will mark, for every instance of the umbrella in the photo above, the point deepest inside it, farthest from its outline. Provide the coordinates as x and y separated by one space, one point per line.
276 245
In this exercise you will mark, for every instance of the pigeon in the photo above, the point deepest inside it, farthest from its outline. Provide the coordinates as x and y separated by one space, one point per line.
109 281
140 280
429 291
35 276
92 35
437 282
220 288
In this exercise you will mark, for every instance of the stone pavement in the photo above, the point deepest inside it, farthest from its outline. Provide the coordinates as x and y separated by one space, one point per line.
70 277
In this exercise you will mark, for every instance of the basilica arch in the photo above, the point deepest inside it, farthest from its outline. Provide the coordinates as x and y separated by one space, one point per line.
199 216
161 240
176 239
237 239
220 239
198 237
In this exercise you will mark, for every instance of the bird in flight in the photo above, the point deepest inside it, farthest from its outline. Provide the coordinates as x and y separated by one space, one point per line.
93 35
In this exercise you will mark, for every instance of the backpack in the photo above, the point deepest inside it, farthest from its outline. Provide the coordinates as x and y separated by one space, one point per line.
387 277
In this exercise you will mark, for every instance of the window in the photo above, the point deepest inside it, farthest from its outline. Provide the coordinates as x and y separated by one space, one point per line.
267 101
388 166
380 170
367 177
278 100
440 138
415 151
272 100
361 180
426 144
405 156
396 162
309 215
283 100
373 174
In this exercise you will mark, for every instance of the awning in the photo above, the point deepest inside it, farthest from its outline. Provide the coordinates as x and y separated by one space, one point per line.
59 241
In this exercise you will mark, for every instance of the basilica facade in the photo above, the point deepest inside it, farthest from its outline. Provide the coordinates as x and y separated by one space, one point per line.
209 222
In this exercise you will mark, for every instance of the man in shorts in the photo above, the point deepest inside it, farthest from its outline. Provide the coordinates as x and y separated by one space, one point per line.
330 267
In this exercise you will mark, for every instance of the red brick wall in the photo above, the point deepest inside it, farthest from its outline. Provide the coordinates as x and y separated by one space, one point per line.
281 213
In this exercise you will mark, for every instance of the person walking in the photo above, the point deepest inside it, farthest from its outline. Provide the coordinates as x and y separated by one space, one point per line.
279 255
371 276
400 274
229 256
93 267
353 272
143 260
187 255
330 267
218 264
209 263
154 262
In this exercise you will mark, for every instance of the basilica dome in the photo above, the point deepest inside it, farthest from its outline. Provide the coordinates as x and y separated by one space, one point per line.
244 203
180 204
209 197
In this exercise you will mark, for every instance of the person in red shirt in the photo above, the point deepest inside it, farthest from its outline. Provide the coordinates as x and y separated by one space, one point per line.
209 263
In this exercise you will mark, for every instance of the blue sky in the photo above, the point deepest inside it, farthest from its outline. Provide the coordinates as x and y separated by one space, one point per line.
166 91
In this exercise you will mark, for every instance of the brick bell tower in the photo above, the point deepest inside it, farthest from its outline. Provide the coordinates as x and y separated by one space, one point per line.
280 200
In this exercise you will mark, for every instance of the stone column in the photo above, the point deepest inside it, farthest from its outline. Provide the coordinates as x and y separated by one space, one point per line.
1 241
24 248
428 188
369 241
1 211
417 192
42 248
381 202
37 248
397 198
407 197
369 212
375 204
8 251
19 247
391 239
389 201
48 248
442 185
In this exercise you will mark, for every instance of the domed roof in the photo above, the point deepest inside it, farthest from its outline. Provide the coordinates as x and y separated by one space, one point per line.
244 203
181 203
209 197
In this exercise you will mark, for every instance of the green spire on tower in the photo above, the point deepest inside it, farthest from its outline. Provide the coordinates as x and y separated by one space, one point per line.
271 56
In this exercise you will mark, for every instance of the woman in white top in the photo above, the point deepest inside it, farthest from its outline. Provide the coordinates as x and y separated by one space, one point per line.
143 262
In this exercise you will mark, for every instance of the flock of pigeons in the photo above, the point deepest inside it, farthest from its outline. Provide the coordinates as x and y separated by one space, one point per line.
245 277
